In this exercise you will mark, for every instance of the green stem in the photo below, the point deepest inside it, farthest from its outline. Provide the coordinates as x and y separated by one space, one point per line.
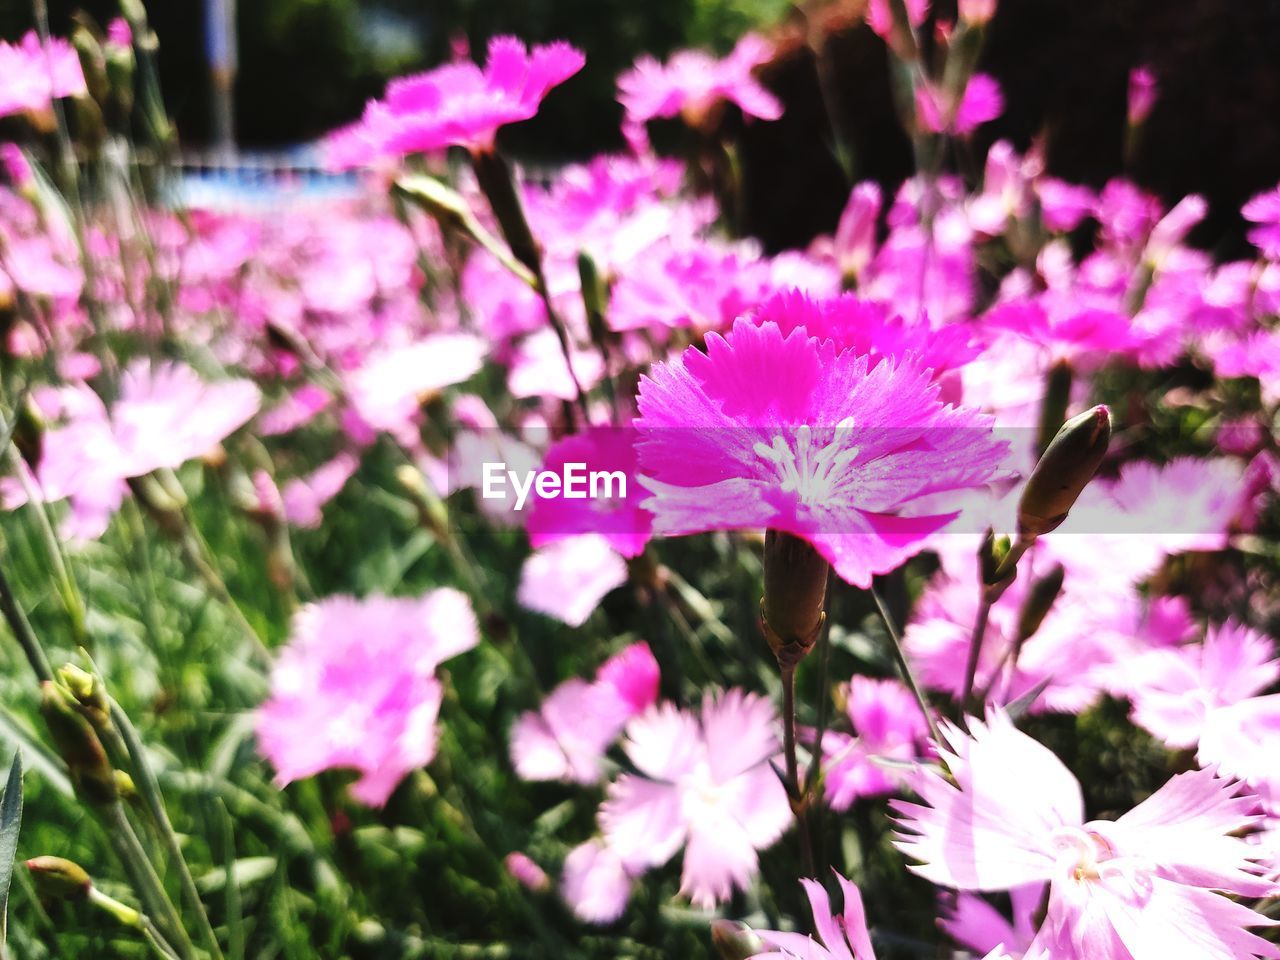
900 657
799 797
21 628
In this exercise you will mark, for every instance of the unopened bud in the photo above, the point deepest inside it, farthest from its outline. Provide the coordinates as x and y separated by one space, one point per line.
734 941
78 745
1040 598
795 591
994 570
977 13
1066 467
59 879
28 434
527 873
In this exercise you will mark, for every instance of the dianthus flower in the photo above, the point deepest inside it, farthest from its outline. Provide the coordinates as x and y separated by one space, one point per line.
356 688
36 74
1147 886
567 737
692 82
457 104
792 434
705 782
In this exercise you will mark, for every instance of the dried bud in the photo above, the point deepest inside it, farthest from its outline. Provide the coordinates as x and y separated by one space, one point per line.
1062 473
1040 597
734 941
795 590
59 879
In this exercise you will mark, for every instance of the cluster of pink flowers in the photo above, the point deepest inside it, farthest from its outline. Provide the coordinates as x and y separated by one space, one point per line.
873 395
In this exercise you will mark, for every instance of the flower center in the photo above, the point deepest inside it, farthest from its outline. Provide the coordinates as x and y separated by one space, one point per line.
702 798
1081 853
812 472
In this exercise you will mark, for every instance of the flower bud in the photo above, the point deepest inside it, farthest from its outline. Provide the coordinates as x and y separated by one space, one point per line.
795 591
78 745
59 879
1040 598
977 13
1143 90
1069 463
527 873
734 941
28 434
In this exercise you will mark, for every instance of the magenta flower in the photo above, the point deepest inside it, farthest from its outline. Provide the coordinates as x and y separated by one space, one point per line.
887 726
621 520
705 783
356 688
1264 211
567 737
458 104
981 102
843 937
692 82
36 74
1147 885
303 498
793 434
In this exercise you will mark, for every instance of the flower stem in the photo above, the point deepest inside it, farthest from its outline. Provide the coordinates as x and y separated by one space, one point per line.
799 797
900 657
975 652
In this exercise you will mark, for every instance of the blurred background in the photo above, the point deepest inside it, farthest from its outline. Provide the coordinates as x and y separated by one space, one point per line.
294 69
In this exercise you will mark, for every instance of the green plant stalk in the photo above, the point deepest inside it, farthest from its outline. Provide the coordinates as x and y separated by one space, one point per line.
146 883
900 657
135 920
122 734
21 628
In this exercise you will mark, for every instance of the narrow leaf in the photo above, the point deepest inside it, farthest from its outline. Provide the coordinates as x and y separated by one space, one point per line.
10 824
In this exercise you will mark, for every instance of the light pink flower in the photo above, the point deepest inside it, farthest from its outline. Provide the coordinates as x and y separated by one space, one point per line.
566 738
356 688
705 783
692 82
842 937
789 433
568 579
166 415
887 726
304 497
596 884
296 410
389 387
36 74
538 368
972 922
1147 885
458 104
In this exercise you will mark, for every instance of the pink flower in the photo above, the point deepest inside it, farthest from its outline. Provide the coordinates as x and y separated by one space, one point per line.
390 385
567 737
568 579
596 884
982 101
304 497
791 433
1063 205
296 410
887 725
166 415
1264 210
1143 90
621 520
974 923
868 328
459 104
692 82
1176 689
356 688
119 32
843 937
704 783
855 238
36 74
1144 886
538 368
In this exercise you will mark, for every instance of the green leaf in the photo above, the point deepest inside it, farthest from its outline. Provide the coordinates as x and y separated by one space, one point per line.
10 824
